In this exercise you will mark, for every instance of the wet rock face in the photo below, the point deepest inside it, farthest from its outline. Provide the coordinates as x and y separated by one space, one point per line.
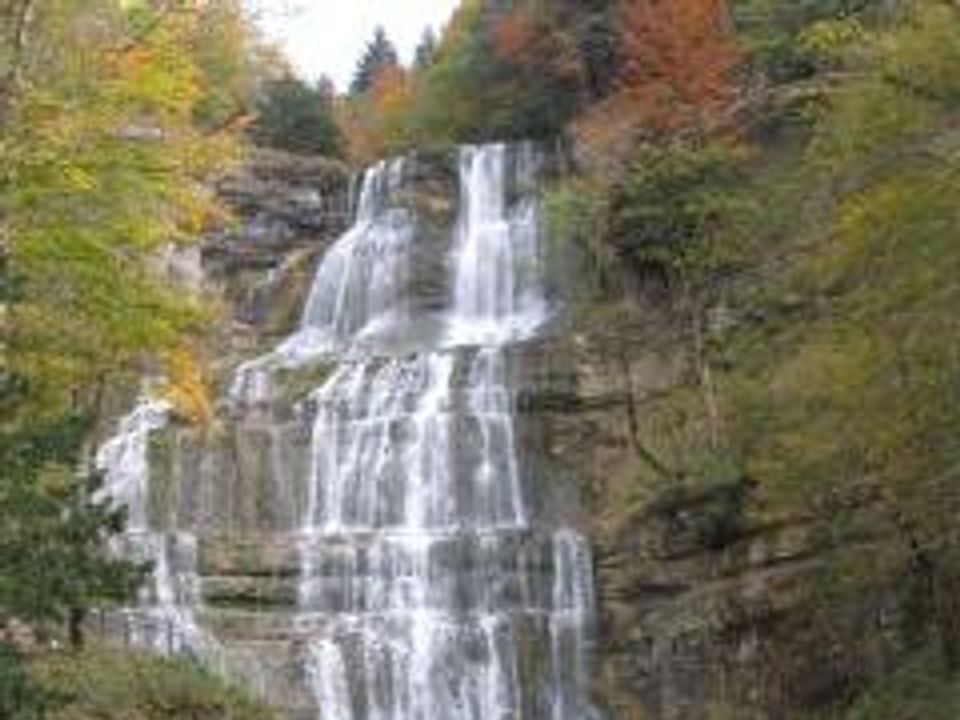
286 210
281 202
434 543
704 600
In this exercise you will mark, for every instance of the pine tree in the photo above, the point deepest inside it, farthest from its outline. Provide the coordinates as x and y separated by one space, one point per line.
53 534
297 118
379 54
426 52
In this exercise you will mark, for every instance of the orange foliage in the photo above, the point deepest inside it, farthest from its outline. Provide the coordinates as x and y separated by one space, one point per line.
678 59
373 124
528 37
187 387
390 92
515 36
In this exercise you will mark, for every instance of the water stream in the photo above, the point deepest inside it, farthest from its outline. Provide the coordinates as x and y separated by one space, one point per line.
429 587
435 595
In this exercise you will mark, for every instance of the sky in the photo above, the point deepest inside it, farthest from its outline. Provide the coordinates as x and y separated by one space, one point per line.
326 37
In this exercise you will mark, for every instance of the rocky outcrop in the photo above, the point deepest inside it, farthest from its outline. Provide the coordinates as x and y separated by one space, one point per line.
704 603
285 210
708 607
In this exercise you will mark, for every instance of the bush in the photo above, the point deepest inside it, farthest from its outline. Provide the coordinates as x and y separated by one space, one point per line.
296 118
673 209
917 691
112 685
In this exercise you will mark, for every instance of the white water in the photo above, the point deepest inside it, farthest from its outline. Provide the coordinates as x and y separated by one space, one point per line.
358 288
164 620
497 296
428 593
429 588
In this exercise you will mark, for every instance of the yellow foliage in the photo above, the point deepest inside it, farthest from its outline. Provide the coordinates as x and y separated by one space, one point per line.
187 387
107 148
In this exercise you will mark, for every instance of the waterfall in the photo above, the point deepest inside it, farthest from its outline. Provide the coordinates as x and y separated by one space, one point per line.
164 620
431 584
434 596
497 295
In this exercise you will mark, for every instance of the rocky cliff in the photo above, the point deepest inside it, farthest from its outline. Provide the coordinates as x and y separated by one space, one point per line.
704 605
711 603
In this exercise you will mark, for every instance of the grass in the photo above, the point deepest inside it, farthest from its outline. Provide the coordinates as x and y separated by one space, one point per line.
101 684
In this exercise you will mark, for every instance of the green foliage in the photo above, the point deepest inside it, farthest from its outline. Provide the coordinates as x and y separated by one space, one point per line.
577 212
53 535
227 57
498 73
294 117
52 541
104 150
478 91
109 685
883 337
774 31
916 691
112 117
843 399
676 207
21 696
823 339
378 55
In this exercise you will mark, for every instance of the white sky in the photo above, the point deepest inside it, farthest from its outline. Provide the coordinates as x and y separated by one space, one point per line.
328 36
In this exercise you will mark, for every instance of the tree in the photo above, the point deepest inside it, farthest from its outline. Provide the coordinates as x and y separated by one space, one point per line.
53 536
114 116
230 64
377 123
848 410
598 44
676 65
106 146
379 54
293 116
426 52
677 59
771 31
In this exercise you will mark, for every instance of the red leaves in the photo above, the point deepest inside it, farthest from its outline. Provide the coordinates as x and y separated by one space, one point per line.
676 75
678 57
515 37
534 40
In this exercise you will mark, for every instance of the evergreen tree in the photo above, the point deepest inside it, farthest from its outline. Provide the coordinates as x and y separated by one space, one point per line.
327 89
297 118
53 534
426 52
379 54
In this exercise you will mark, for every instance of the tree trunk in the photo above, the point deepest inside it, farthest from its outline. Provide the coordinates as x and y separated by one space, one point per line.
75 622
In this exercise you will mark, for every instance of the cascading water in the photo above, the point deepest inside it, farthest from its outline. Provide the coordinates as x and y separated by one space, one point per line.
431 585
429 593
164 621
